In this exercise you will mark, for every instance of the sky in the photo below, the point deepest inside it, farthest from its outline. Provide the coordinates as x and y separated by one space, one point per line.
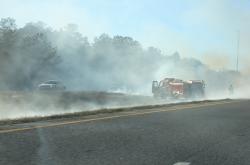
205 29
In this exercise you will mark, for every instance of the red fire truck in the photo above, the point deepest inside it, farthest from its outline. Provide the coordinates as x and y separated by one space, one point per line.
176 88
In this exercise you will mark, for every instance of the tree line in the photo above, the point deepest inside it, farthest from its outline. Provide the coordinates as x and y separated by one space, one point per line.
34 53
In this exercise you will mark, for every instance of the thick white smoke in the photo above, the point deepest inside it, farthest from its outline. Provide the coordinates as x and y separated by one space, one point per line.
36 53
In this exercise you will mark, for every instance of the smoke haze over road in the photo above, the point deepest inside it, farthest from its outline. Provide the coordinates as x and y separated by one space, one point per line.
35 53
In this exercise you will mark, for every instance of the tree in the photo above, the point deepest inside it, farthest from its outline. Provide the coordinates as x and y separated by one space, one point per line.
39 57
24 57
8 24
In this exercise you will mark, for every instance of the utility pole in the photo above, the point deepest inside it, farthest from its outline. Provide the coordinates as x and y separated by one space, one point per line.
238 50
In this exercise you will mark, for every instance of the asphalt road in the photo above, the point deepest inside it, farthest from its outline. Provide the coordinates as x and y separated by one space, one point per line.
204 134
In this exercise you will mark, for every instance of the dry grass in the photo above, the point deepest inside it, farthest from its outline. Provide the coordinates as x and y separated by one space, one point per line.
100 111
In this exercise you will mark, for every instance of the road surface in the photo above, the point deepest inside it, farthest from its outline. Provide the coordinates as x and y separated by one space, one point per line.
193 134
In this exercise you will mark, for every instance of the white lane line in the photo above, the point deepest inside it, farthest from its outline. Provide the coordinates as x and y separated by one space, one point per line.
182 163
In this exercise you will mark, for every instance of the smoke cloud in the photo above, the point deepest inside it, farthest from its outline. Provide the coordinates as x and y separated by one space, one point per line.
36 53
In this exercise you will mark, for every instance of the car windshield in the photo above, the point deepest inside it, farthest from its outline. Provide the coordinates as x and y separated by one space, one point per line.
124 82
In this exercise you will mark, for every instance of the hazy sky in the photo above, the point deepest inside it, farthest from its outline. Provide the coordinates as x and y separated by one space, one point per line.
204 29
